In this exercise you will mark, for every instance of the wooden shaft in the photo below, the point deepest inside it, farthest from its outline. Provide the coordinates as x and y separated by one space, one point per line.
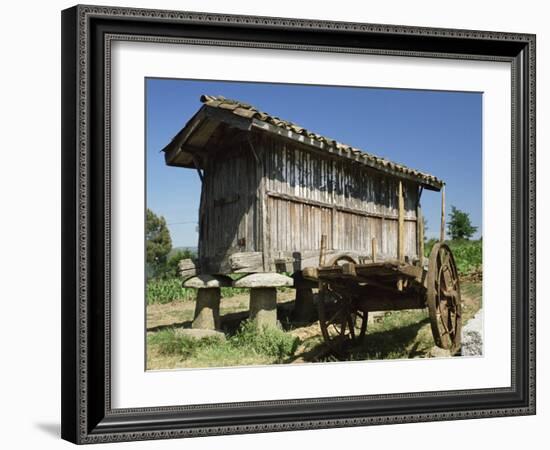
401 224
323 250
442 231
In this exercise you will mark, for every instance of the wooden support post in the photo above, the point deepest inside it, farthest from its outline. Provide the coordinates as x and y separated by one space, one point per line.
261 195
401 231
373 249
442 231
323 250
333 213
420 234
401 224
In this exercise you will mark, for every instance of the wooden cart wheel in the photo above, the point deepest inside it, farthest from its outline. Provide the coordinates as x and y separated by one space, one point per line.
443 298
342 324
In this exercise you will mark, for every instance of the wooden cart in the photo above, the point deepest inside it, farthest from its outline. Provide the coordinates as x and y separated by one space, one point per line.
349 290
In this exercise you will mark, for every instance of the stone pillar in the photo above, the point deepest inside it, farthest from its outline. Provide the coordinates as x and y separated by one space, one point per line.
263 295
263 306
207 309
207 306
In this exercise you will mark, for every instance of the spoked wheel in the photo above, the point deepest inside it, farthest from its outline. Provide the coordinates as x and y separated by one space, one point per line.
443 298
343 325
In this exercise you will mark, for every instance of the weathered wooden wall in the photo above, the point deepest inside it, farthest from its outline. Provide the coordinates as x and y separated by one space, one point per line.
295 195
229 213
309 195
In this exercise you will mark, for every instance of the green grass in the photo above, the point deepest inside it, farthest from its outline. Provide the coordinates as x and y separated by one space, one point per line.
400 334
249 345
167 290
467 254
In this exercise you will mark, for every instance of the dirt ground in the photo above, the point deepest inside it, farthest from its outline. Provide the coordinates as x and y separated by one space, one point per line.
399 334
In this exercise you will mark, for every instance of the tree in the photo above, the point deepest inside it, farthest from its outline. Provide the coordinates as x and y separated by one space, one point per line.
460 226
158 241
425 225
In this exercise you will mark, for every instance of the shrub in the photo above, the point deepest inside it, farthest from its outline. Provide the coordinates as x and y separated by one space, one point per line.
468 254
272 343
169 342
268 341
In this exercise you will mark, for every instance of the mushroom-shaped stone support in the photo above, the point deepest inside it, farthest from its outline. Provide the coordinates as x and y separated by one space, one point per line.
263 295
207 307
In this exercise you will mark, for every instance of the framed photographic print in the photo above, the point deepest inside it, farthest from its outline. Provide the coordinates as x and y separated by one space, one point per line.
282 224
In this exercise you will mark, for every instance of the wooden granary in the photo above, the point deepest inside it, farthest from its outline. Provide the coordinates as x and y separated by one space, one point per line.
278 198
271 189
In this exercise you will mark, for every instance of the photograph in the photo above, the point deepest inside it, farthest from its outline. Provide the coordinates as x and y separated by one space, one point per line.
300 224
279 222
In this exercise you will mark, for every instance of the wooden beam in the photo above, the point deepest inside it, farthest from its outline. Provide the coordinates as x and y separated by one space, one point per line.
442 231
384 302
310 273
359 212
261 196
246 262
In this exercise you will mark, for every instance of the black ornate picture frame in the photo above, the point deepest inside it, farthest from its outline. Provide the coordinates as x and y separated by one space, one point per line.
87 34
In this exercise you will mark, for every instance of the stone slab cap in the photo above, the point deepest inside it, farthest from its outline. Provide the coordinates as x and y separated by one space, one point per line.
259 280
208 281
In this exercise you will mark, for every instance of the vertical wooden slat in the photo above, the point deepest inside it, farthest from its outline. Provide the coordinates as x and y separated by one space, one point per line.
442 230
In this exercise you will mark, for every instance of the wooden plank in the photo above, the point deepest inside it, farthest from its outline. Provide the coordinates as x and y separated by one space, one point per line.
389 268
246 261
373 249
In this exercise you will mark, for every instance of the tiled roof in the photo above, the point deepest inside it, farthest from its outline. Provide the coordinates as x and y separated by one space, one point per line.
250 112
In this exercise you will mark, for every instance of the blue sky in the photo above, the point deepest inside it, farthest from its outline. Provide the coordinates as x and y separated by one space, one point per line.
433 131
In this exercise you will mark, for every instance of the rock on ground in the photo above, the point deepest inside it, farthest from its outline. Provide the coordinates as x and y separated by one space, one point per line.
472 336
197 333
436 352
